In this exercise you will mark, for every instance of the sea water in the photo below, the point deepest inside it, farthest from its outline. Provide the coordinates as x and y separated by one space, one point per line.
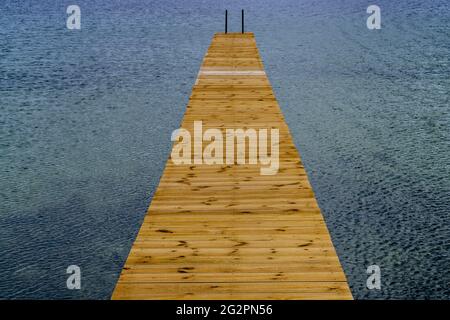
86 117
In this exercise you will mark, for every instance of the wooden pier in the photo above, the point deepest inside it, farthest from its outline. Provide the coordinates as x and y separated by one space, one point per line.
226 231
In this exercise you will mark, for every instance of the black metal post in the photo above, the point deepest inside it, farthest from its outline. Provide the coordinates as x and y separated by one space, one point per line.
226 21
242 20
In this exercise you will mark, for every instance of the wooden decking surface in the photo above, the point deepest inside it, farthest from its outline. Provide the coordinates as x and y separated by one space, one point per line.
226 231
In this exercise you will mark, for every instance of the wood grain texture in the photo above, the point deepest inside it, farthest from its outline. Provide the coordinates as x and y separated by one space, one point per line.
226 231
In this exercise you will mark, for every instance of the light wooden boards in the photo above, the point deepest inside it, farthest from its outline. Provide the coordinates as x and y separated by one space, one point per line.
226 231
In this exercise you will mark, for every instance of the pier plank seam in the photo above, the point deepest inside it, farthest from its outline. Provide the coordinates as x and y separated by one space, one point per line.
225 231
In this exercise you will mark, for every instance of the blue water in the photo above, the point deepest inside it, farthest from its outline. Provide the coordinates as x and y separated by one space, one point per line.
86 118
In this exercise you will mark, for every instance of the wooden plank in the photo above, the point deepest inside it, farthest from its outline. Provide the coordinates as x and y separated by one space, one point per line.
241 290
230 268
225 231
205 295
132 276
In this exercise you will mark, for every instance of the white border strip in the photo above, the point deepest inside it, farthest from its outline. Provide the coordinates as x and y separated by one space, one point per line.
231 73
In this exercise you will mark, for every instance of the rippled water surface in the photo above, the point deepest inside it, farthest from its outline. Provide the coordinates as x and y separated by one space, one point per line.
86 118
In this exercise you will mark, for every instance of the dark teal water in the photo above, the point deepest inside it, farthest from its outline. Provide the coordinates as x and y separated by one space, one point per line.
86 118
